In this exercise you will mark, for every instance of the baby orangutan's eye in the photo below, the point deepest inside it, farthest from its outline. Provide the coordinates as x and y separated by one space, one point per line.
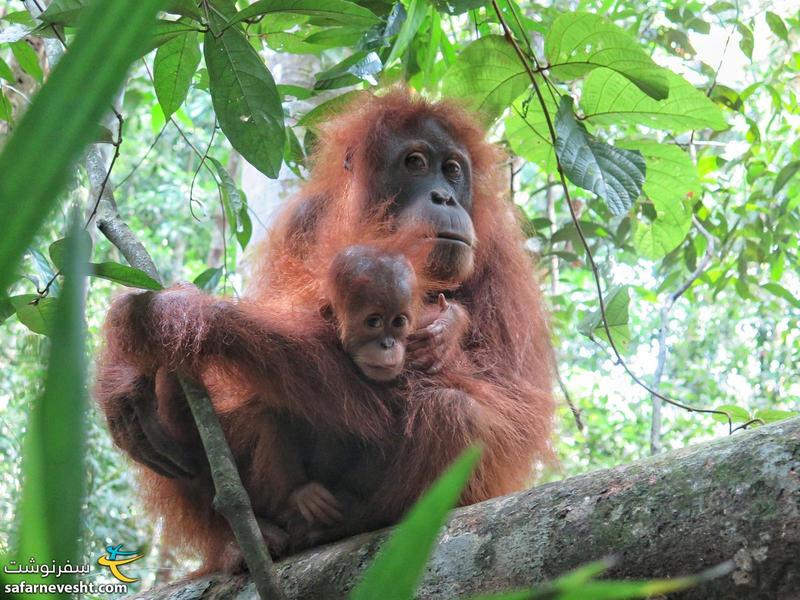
400 321
374 321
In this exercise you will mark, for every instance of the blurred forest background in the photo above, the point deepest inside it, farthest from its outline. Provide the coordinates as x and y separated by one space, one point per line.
702 270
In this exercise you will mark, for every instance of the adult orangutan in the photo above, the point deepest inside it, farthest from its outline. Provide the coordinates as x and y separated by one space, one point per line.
479 368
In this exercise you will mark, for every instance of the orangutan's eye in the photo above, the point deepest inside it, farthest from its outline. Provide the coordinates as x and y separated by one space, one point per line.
374 321
416 161
452 169
400 321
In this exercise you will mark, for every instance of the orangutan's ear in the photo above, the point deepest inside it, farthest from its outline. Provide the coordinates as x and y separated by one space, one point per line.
326 312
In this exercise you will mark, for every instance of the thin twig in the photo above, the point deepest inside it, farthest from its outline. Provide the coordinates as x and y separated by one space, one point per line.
747 424
576 412
139 163
595 271
669 302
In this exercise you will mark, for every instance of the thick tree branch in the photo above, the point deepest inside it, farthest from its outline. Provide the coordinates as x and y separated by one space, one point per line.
736 498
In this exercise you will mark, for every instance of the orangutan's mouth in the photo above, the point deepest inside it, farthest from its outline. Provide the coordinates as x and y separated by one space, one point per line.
448 236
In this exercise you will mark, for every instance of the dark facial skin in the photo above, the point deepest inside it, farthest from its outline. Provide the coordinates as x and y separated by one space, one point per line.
373 300
428 176
377 341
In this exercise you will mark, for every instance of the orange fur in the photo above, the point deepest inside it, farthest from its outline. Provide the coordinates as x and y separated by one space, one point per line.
272 352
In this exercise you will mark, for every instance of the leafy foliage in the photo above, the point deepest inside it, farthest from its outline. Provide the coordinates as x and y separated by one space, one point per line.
71 104
672 123
399 565
614 174
52 498
246 100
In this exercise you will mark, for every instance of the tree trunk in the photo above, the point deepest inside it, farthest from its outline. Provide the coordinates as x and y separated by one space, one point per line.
736 498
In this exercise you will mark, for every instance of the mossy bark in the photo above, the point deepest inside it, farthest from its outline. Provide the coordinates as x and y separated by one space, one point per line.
736 498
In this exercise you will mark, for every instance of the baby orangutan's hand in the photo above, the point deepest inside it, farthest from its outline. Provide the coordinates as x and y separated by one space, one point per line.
316 504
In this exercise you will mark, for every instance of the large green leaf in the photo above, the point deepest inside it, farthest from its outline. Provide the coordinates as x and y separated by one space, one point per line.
125 275
617 301
527 133
37 314
488 75
245 100
330 11
400 563
608 98
416 15
671 183
173 68
578 42
53 470
64 12
614 174
37 160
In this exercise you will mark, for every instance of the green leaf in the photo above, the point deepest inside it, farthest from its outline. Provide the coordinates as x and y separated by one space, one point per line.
6 110
185 8
784 175
165 31
125 275
582 585
746 42
235 205
671 183
7 308
330 11
614 174
771 415
781 292
457 7
64 12
608 98
416 15
208 279
617 301
578 42
27 59
246 100
399 565
37 314
777 26
58 249
527 132
6 72
359 66
173 69
52 465
488 75
35 163
737 414
328 109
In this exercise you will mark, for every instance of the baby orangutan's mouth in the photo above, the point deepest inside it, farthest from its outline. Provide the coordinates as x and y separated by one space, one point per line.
382 372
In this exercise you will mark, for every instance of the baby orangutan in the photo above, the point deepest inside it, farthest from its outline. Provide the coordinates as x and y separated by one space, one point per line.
372 296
